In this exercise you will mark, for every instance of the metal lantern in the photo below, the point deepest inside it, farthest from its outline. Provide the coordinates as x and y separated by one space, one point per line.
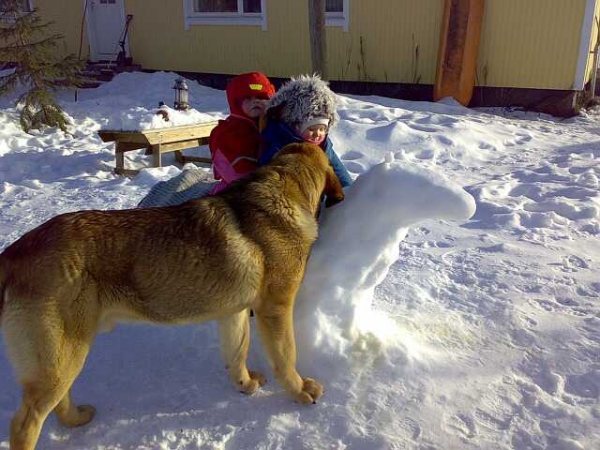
181 94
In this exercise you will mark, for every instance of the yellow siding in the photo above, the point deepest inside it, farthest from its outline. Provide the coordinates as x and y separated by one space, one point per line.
159 40
66 17
530 44
524 43
391 32
387 52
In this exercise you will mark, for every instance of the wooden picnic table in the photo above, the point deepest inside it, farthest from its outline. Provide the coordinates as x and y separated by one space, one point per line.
158 141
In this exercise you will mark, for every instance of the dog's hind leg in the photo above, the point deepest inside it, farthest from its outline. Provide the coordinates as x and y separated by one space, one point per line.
234 331
48 390
47 356
71 415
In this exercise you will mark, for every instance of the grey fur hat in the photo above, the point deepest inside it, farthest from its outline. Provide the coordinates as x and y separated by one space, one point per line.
306 97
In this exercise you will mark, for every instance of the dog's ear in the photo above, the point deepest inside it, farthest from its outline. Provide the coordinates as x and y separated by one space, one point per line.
275 112
333 188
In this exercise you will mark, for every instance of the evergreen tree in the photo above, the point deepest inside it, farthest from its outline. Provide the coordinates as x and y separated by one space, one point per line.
25 42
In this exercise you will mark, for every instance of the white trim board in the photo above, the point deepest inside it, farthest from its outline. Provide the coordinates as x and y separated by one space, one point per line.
584 45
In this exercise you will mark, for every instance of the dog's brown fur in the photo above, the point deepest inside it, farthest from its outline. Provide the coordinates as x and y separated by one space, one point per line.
212 258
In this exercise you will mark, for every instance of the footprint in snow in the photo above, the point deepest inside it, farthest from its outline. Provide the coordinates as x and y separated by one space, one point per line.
461 424
354 167
545 305
424 128
586 385
566 301
351 156
495 421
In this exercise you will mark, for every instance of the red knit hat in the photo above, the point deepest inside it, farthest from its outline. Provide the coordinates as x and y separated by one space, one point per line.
252 84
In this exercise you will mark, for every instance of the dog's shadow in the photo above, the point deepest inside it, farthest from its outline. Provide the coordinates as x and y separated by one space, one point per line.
154 383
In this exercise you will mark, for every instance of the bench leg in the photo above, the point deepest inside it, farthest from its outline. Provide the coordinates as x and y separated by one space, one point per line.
120 149
120 159
156 156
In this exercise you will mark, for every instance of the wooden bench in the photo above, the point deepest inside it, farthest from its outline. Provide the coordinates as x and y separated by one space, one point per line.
158 141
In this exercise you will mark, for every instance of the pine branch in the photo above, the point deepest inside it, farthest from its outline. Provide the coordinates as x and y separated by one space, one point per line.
8 83
38 67
49 42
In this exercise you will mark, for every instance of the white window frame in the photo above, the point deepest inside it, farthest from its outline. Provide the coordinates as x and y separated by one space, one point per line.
192 17
339 19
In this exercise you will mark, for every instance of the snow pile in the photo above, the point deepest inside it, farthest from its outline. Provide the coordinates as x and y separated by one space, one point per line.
139 118
130 112
351 257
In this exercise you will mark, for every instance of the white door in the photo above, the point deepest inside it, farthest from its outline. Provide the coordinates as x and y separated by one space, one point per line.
106 25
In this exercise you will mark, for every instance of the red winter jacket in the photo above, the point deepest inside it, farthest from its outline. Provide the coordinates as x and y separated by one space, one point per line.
235 143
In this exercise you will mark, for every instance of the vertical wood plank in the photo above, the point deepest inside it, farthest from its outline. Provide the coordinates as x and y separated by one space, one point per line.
318 42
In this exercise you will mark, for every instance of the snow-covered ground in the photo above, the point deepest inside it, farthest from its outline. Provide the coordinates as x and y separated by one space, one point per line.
456 334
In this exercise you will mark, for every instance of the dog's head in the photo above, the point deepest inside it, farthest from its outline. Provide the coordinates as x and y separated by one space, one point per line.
317 161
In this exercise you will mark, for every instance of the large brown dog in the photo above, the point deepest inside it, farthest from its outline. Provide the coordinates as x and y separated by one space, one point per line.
212 258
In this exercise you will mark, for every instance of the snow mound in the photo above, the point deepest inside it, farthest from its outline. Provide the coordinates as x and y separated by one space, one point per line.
141 118
354 252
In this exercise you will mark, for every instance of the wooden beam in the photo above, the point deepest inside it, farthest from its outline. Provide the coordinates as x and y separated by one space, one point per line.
126 172
185 159
162 135
122 146
180 145
318 41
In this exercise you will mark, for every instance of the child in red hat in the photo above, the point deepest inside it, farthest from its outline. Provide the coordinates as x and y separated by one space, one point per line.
235 143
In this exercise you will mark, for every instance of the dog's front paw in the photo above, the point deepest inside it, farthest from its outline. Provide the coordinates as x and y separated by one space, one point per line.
256 380
311 391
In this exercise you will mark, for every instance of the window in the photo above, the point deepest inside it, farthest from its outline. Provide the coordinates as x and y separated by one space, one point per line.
225 12
334 6
337 13
225 6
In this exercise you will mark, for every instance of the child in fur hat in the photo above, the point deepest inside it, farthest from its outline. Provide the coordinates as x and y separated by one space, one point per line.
303 110
235 143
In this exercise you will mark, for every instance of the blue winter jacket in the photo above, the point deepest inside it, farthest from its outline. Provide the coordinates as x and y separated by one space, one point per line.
278 134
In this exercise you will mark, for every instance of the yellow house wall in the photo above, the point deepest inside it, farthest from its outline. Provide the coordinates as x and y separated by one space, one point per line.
66 16
404 50
524 43
159 40
387 41
530 44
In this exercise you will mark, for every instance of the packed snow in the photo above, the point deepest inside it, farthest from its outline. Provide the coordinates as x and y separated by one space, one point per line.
429 328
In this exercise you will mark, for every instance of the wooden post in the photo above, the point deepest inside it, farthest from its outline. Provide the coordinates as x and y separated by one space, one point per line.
318 43
119 158
156 156
457 55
